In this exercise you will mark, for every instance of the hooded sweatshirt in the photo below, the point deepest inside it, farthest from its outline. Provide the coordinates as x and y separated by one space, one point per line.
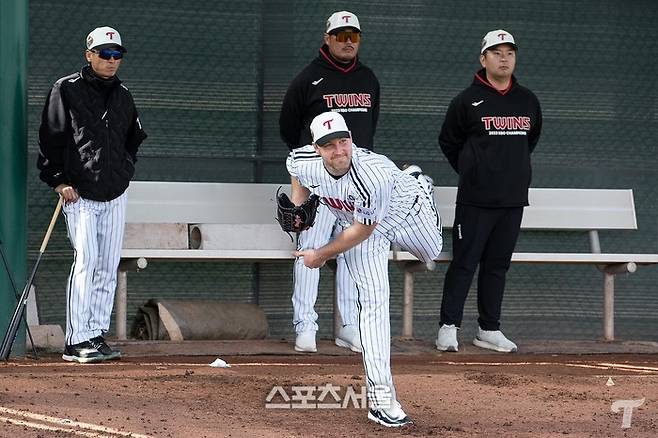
488 136
327 85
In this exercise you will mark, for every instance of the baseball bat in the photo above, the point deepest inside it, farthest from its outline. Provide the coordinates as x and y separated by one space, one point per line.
16 318
16 294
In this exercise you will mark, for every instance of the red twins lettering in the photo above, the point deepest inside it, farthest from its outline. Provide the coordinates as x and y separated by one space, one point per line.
110 35
514 123
351 100
501 36
346 18
339 204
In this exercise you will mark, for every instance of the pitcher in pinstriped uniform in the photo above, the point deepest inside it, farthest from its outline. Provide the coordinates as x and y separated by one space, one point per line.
375 204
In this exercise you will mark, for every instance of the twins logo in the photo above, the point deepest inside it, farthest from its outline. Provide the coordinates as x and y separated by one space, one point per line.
506 123
342 100
339 204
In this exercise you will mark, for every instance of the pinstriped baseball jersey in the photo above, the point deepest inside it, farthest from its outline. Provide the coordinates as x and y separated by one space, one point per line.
374 191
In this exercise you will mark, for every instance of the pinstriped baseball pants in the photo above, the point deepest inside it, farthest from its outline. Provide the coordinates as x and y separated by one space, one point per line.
420 234
95 230
306 280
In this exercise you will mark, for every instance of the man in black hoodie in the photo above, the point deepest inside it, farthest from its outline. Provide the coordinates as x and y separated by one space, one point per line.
335 81
88 141
488 134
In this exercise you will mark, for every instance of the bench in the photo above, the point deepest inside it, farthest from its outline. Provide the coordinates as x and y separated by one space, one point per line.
235 221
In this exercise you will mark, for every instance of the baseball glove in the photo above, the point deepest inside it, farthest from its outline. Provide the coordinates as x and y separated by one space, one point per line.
293 218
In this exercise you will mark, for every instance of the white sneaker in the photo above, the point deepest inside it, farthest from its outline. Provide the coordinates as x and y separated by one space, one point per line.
426 182
389 417
494 340
305 342
348 337
412 169
447 338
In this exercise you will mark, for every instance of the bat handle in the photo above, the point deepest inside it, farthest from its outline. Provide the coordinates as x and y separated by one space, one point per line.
46 238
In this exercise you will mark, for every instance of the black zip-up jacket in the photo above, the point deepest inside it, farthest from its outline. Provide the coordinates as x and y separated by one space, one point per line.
89 136
488 136
327 85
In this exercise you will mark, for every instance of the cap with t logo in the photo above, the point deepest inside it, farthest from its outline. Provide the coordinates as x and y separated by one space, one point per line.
102 37
496 37
327 126
340 20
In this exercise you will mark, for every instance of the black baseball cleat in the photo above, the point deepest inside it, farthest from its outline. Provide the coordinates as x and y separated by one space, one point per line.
391 417
83 352
99 344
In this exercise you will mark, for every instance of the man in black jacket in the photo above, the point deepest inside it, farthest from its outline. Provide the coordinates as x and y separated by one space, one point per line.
88 140
488 134
335 81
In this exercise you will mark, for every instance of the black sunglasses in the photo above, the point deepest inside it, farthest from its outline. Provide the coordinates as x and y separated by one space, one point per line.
107 54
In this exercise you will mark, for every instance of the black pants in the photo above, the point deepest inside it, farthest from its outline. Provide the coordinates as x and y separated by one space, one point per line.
486 236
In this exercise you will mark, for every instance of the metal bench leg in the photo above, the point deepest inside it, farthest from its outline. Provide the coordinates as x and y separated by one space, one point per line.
609 273
608 306
121 297
121 318
408 295
408 305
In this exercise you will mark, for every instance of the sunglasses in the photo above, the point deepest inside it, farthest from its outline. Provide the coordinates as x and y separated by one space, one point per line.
343 36
109 53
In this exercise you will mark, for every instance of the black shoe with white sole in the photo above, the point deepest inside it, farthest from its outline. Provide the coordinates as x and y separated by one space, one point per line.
99 344
83 352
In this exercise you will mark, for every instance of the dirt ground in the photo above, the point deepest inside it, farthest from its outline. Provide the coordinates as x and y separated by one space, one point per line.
446 395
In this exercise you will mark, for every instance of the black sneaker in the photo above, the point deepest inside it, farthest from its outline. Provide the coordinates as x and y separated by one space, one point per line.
84 352
99 344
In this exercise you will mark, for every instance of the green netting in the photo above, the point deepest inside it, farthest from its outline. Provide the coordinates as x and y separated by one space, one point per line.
209 77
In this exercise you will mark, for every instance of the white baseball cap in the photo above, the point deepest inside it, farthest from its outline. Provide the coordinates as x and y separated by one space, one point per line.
341 19
496 37
328 126
104 36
